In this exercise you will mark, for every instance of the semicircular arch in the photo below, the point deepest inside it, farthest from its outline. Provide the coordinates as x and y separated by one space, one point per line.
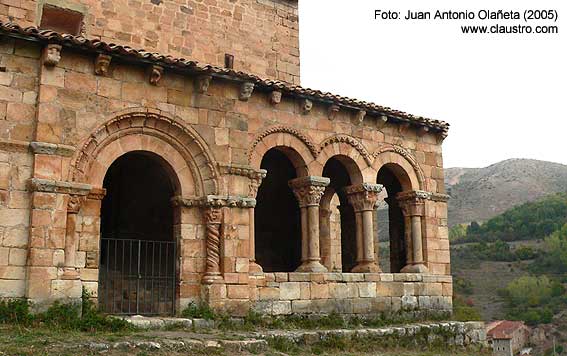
403 163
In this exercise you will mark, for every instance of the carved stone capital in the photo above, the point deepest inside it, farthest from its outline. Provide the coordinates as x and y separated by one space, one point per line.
333 111
275 97
246 90
51 55
213 215
102 63
156 72
74 203
413 202
363 196
309 190
306 106
202 83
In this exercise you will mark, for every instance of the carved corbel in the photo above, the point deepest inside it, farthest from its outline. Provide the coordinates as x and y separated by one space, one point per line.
246 90
441 136
102 63
306 106
422 131
202 83
404 127
381 121
333 111
275 97
360 115
156 72
51 55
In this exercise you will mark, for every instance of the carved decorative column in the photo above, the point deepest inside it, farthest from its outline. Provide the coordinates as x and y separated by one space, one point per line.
255 181
308 191
73 207
363 198
213 220
413 207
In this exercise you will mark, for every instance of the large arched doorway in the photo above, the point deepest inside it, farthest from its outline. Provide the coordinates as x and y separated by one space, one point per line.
391 235
277 216
137 273
337 219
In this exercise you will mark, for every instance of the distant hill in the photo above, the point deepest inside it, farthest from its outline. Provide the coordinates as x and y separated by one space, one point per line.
478 194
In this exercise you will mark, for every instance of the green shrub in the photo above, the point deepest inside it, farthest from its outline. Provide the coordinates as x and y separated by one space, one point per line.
15 311
464 312
200 311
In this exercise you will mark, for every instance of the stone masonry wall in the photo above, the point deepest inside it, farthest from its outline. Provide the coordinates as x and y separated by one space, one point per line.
67 108
352 293
263 35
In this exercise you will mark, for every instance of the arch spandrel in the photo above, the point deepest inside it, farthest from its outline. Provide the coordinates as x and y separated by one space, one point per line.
153 131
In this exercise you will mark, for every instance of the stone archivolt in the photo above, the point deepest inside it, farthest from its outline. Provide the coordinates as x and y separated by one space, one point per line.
180 136
283 129
350 141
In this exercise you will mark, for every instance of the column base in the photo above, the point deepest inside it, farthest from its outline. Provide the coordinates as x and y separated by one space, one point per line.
211 278
312 266
70 273
366 267
415 268
254 268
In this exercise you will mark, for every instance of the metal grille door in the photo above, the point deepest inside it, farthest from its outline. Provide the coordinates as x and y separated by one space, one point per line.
137 277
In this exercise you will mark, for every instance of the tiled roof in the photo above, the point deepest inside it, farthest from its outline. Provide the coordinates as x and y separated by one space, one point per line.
503 329
182 64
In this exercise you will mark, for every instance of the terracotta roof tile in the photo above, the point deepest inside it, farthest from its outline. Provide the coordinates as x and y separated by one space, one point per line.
126 52
504 329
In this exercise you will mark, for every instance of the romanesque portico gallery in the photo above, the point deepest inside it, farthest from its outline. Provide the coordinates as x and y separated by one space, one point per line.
153 181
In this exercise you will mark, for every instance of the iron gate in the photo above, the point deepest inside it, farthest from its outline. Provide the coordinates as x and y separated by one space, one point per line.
137 276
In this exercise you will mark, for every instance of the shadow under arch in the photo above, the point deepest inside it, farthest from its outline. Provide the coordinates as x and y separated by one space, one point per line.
391 222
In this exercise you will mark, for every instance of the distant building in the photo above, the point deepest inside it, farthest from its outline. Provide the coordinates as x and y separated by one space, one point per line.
507 337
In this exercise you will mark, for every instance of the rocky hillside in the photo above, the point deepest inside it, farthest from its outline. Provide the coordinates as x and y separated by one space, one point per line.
478 194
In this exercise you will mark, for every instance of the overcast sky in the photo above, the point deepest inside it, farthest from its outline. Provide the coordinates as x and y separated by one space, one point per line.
504 95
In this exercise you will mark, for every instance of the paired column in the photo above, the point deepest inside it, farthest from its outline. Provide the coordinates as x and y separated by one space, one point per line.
308 191
413 207
363 198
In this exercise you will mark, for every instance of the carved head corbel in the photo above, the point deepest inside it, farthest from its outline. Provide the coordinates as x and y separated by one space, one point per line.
422 131
51 55
202 83
275 97
246 90
102 63
404 127
333 111
306 106
360 115
381 121
156 72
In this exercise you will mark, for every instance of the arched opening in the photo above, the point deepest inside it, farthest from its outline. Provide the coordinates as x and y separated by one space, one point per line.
138 250
277 227
337 222
391 224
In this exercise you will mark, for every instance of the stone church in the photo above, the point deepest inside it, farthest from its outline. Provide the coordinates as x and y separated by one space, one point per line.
155 153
